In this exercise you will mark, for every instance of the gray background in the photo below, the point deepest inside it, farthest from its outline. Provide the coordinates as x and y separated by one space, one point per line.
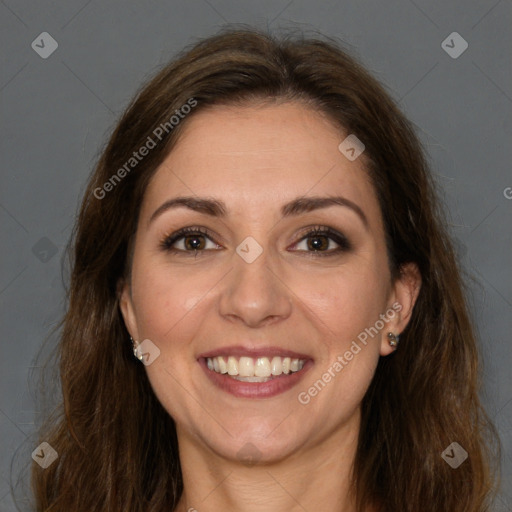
57 112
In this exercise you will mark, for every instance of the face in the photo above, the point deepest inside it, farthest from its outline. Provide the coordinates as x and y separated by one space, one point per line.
268 270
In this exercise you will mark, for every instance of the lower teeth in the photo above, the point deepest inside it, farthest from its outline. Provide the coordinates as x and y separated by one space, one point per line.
250 379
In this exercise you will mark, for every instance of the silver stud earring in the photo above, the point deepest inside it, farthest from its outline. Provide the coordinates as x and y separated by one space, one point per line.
393 339
136 351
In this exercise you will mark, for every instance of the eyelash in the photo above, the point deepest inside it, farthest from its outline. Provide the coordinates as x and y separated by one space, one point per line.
344 245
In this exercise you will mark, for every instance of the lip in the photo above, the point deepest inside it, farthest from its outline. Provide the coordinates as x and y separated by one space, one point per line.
240 351
269 389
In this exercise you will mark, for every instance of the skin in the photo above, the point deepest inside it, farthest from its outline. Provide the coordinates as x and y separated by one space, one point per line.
255 159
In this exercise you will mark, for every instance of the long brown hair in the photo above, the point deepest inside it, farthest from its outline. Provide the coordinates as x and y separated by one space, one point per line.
117 446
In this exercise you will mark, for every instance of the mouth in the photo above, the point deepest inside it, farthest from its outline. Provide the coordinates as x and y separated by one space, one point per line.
255 374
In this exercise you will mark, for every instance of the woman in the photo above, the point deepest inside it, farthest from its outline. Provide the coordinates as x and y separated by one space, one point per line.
262 234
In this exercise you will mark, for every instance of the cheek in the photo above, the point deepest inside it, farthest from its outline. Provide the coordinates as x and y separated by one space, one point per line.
166 298
347 304
348 299
171 306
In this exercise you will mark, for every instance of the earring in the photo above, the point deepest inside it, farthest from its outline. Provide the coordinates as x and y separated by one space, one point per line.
393 339
136 352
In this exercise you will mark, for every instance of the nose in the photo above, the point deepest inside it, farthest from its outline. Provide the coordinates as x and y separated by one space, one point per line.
255 294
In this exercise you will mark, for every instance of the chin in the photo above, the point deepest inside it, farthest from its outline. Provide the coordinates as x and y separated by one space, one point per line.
264 445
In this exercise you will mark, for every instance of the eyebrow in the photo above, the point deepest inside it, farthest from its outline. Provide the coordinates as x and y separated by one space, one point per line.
217 208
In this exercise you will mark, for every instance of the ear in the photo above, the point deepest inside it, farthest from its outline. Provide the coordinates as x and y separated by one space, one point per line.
127 308
405 291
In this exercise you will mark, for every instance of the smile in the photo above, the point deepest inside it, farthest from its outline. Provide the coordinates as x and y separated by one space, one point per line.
254 374
250 369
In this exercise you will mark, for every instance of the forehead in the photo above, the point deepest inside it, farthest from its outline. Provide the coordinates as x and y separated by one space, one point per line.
260 156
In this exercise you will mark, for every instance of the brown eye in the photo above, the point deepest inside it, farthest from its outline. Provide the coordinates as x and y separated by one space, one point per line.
190 239
323 241
194 242
318 243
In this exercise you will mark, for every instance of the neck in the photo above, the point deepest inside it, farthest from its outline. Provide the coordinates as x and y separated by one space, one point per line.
317 474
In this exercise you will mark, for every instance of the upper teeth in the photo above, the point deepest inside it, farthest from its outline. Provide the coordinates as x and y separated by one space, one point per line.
249 367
